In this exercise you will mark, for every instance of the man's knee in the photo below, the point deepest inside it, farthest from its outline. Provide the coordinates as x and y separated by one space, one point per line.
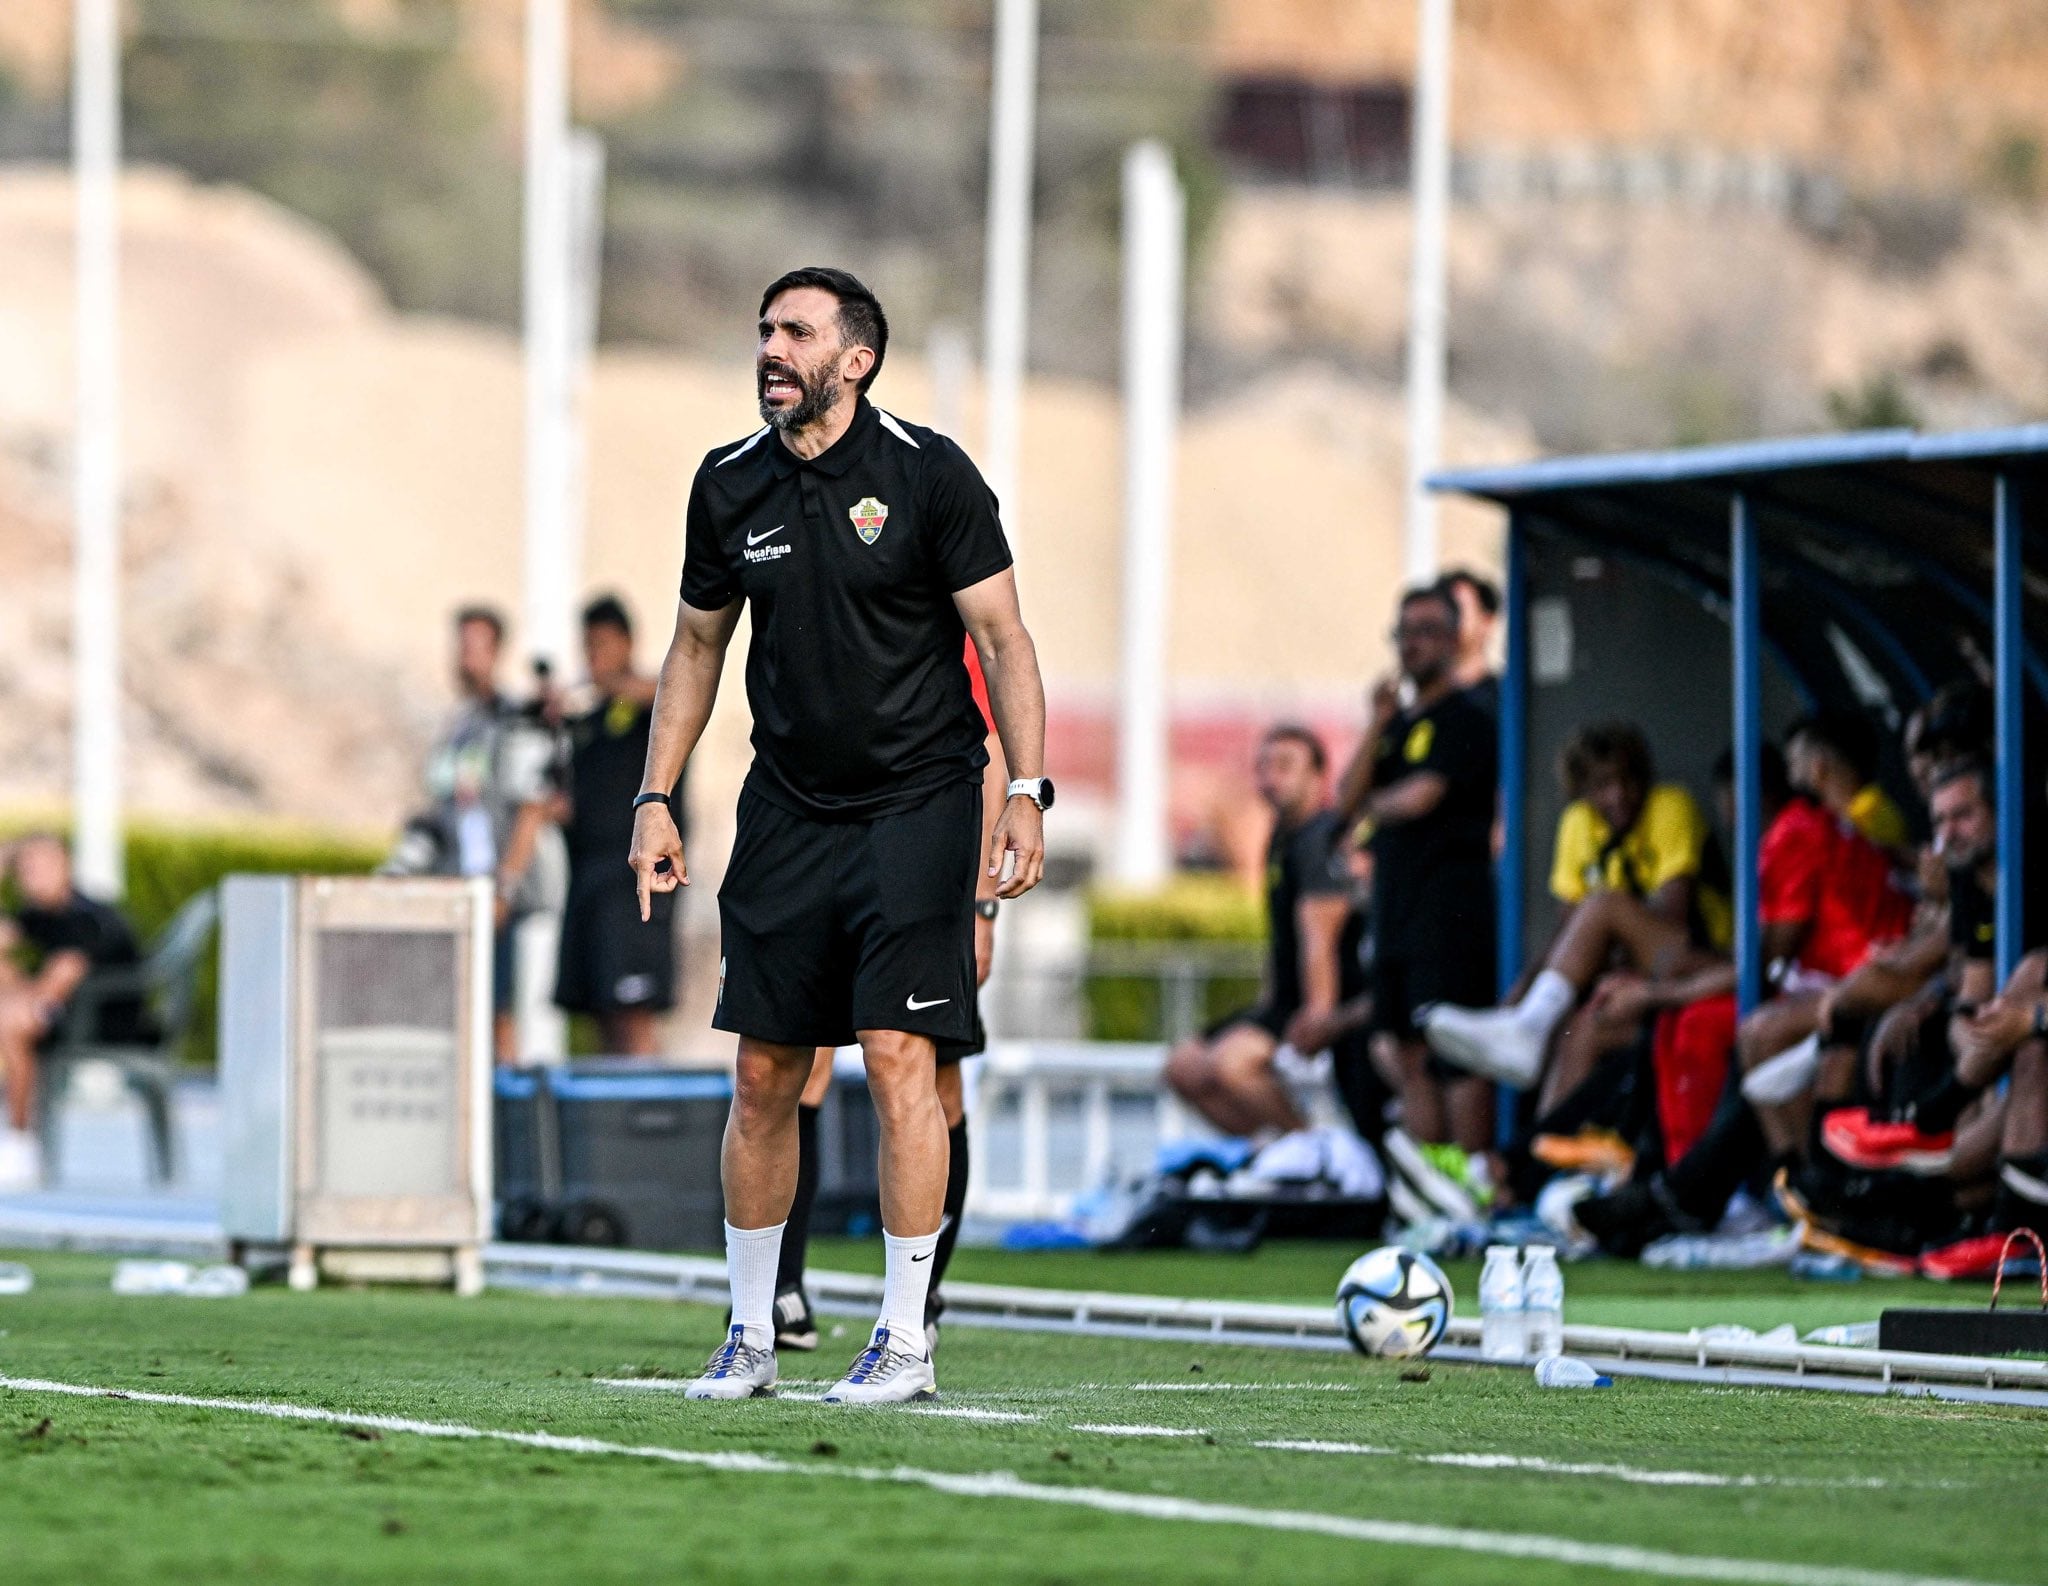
1237 1064
1189 1070
902 1071
2029 975
766 1083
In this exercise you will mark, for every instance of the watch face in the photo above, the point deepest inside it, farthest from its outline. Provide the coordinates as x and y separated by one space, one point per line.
1045 792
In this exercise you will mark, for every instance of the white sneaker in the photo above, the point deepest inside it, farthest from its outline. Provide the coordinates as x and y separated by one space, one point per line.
1785 1077
1444 1194
21 1161
886 1373
1494 1043
736 1370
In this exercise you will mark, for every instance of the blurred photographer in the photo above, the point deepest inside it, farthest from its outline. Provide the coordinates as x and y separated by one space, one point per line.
490 780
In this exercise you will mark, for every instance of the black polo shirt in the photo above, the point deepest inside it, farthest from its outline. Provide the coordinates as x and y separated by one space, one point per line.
849 562
1442 863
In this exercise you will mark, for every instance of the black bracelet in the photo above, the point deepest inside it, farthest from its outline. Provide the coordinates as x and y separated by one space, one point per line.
650 798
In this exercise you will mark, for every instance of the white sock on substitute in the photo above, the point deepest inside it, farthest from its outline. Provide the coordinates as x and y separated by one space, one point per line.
751 1256
1549 998
907 1280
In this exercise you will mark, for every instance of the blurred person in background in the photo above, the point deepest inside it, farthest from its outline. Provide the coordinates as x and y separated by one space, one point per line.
54 939
491 780
1229 1074
1424 781
615 967
1627 867
1478 601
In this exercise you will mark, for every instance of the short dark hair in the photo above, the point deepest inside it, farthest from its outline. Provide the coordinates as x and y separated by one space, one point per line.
1484 590
1850 736
861 320
1606 746
1966 766
487 615
608 611
1440 592
1295 732
1956 723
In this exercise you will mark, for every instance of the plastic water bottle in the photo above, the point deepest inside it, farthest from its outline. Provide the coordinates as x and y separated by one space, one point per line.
216 1283
1542 1302
151 1277
1500 1305
1561 1371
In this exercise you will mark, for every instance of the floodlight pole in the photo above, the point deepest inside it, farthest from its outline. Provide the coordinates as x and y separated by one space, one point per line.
96 462
549 576
1155 243
1007 280
1430 158
584 155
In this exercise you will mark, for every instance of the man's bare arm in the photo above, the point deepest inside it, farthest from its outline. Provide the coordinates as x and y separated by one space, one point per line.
1887 977
1409 799
1016 697
682 705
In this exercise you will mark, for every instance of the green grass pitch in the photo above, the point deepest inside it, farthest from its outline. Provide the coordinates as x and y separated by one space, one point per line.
1475 1474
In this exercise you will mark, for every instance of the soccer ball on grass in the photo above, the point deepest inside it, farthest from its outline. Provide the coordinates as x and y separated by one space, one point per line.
1393 1303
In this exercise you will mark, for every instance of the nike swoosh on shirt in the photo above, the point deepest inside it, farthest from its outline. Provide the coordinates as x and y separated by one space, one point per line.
756 539
913 1004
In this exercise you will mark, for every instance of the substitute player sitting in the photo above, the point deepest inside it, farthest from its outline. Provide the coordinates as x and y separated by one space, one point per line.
868 550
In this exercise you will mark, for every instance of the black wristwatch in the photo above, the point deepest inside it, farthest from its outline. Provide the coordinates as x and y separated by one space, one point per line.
985 907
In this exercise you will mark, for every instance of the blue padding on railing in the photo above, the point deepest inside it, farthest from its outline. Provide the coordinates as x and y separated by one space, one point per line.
515 1084
571 1086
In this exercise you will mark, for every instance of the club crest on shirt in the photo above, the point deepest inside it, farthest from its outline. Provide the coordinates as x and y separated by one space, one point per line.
868 516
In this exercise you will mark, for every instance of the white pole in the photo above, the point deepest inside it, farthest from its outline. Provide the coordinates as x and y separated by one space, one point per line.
1155 242
951 361
1007 283
1431 159
96 594
549 595
585 155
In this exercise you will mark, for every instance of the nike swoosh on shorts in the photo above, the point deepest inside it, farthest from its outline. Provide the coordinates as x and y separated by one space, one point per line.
914 1005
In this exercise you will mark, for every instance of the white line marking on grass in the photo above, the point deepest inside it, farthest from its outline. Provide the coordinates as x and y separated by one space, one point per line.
1141 1431
1629 1473
1223 1387
1387 1533
957 1412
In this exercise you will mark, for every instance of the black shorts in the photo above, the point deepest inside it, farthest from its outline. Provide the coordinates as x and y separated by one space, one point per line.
832 927
1260 1017
1441 953
611 960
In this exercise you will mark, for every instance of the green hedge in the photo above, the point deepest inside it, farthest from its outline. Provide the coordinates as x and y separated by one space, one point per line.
167 865
1129 1006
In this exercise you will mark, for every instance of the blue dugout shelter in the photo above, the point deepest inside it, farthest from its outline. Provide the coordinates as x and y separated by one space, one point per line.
1715 592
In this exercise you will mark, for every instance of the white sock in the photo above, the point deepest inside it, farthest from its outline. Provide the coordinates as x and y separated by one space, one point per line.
1549 998
907 1280
751 1256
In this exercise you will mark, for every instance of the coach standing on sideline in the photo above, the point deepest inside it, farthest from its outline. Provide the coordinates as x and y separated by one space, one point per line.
868 547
